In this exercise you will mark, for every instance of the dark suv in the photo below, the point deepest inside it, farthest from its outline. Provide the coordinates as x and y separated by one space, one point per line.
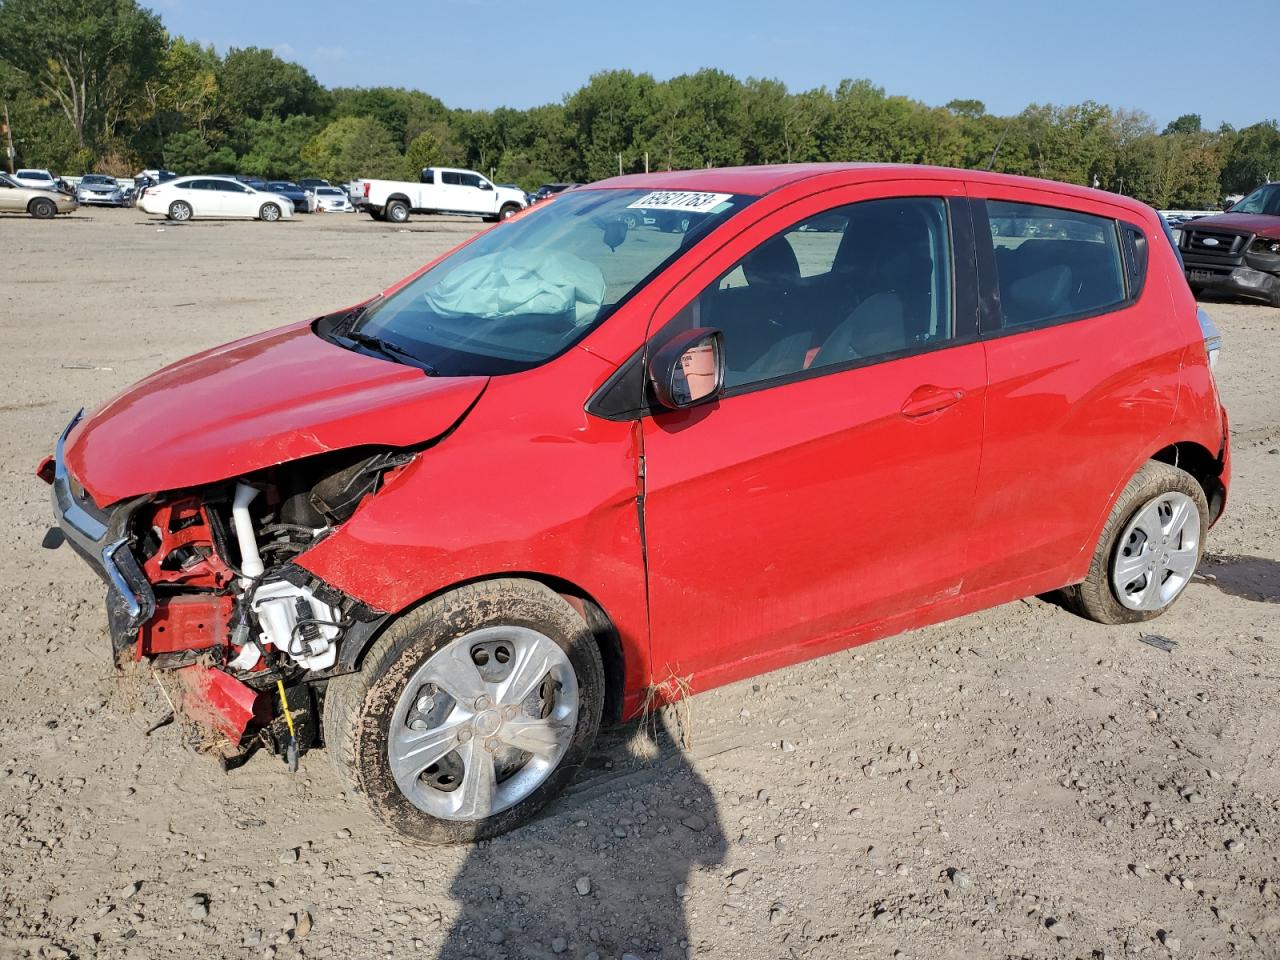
1237 252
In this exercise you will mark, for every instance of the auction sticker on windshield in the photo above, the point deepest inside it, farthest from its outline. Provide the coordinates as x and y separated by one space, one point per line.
683 200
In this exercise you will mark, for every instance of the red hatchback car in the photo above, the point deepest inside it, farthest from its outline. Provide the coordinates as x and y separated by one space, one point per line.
581 461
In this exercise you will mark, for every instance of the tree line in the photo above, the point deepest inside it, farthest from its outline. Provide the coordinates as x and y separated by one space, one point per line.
99 85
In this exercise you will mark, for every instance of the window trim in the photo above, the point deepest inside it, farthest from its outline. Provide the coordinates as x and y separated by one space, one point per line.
992 322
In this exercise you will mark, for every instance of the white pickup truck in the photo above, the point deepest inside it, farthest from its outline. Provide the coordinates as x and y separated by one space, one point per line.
438 190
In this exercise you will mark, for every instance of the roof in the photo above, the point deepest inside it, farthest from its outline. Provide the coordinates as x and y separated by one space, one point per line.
757 181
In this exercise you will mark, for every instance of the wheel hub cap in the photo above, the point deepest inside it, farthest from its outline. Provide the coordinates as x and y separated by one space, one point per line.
501 708
1157 553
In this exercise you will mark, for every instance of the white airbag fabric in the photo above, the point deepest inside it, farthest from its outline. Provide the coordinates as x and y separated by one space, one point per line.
518 283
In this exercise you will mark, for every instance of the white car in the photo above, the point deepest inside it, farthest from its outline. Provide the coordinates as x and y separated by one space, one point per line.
39 179
332 200
188 197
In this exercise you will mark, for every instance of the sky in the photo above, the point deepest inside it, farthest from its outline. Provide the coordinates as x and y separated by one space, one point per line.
1165 57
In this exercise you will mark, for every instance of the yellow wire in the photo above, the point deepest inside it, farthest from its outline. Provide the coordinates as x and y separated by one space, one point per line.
284 701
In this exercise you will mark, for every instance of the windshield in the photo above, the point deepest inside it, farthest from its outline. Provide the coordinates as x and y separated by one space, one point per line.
34 175
97 178
529 289
1264 200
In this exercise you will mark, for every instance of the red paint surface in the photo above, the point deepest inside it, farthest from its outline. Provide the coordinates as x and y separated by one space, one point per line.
779 524
218 701
257 402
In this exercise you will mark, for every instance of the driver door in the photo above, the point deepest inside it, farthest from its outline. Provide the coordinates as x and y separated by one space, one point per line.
831 487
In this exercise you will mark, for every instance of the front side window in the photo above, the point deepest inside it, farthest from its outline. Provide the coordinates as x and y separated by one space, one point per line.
865 281
1053 264
1264 200
520 294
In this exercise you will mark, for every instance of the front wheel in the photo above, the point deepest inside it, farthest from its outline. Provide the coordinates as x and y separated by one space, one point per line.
1149 548
508 211
269 212
42 209
471 712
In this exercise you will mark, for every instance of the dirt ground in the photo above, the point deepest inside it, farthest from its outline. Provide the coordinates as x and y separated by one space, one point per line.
1018 783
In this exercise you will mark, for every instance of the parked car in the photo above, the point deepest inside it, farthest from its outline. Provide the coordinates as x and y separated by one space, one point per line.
40 203
98 188
151 177
188 197
303 200
438 190
526 488
550 190
1237 252
332 200
38 178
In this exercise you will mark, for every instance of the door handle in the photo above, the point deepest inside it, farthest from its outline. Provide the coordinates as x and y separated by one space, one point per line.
926 400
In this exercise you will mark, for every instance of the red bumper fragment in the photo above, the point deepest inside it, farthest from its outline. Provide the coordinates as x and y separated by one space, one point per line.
219 701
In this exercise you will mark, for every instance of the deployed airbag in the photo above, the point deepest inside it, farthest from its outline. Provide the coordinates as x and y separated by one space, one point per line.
518 283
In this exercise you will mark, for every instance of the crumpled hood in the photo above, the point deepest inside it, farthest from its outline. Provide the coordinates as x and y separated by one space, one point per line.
1241 222
260 401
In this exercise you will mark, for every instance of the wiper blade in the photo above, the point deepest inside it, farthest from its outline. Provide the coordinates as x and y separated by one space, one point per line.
387 349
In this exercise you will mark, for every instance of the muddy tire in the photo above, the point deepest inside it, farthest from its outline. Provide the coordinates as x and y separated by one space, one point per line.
42 209
1148 551
437 676
397 211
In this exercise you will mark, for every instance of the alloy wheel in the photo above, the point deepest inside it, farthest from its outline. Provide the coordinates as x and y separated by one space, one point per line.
483 723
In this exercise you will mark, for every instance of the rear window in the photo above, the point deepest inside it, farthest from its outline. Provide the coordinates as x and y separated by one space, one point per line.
1054 264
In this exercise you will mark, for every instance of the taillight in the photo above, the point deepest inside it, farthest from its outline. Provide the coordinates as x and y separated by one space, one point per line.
1212 337
366 189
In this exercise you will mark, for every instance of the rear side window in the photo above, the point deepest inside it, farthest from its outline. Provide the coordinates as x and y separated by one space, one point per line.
1054 264
449 177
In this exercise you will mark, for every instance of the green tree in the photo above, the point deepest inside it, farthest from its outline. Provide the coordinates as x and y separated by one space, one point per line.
353 147
92 58
190 152
255 83
1253 158
272 147
424 151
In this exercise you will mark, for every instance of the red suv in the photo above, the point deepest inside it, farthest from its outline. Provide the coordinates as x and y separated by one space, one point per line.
580 464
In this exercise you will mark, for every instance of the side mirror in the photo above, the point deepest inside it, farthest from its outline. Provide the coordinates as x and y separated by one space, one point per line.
688 369
485 185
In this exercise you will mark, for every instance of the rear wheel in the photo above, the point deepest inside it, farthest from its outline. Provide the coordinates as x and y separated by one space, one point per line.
180 211
1148 550
470 713
269 212
397 211
42 209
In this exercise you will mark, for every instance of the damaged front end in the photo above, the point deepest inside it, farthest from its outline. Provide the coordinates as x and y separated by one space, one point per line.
203 588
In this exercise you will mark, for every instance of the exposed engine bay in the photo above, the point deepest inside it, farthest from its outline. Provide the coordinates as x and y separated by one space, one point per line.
244 633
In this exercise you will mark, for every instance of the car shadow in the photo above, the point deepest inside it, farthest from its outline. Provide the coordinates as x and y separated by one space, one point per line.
605 870
1252 578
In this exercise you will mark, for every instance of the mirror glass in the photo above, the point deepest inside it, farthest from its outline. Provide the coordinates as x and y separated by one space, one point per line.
694 376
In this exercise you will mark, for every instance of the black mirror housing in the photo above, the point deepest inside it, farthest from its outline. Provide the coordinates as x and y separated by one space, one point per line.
688 369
